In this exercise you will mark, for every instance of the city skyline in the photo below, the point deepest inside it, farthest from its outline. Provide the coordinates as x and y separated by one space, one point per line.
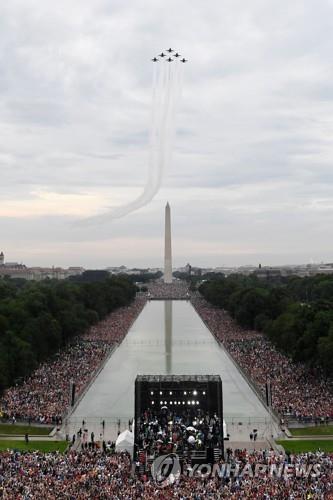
128 267
251 176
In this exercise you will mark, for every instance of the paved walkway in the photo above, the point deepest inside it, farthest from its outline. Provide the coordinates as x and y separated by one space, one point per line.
310 438
249 445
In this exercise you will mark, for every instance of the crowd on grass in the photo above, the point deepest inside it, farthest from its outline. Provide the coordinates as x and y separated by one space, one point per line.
114 328
297 391
175 290
101 474
177 431
45 395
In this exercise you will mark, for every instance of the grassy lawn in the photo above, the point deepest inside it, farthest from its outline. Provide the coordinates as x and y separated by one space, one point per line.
320 430
44 446
23 429
307 445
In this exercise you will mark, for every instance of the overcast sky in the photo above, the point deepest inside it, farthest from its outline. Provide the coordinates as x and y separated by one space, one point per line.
251 178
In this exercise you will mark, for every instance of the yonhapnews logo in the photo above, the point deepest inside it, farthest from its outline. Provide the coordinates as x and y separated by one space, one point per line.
166 469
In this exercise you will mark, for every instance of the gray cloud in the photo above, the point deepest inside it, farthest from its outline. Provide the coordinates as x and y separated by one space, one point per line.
252 166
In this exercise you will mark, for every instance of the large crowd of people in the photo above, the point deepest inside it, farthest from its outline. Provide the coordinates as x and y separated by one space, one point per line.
45 395
114 328
177 431
297 391
160 290
101 474
93 470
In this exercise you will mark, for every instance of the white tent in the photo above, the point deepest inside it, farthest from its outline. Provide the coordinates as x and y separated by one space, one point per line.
125 442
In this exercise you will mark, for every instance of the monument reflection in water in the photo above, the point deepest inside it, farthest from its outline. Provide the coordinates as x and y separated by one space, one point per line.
168 335
168 338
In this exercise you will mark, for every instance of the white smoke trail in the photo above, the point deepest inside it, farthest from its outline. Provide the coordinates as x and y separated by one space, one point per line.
167 84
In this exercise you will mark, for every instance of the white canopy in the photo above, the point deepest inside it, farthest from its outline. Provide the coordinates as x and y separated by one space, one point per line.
125 442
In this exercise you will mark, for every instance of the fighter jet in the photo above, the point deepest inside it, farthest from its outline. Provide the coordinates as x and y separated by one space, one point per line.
169 59
170 50
184 60
162 55
155 59
176 54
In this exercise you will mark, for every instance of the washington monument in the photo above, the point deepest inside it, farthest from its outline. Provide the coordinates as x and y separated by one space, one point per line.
167 247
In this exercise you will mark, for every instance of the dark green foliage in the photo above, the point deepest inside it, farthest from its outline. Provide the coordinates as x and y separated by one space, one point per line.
144 276
325 350
296 314
36 319
91 276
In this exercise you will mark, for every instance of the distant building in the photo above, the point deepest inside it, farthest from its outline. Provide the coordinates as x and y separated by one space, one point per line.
267 273
16 270
196 271
188 269
75 271
133 271
117 270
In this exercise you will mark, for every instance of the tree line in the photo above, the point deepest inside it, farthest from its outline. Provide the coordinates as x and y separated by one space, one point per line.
99 275
296 314
36 319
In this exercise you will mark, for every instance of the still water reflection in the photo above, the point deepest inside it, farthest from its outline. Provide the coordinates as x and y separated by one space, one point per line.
167 338
168 334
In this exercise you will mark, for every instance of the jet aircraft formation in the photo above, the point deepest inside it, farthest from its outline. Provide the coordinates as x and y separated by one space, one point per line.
170 52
